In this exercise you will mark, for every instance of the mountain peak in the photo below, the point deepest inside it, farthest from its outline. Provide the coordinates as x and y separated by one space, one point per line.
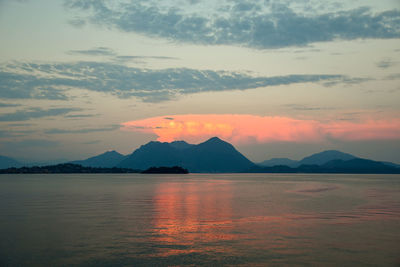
111 152
215 140
178 142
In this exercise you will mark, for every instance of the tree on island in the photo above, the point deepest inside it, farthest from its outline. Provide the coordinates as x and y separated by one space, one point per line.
166 170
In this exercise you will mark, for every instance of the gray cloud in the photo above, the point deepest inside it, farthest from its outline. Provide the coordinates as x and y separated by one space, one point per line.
257 24
82 131
16 133
22 80
141 58
74 116
111 54
306 107
98 51
19 124
33 113
393 76
77 22
6 105
386 63
16 85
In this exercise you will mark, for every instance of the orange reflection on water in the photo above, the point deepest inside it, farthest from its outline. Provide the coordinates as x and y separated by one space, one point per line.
190 216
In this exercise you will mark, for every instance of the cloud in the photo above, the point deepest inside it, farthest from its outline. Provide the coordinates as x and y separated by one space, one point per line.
77 22
82 131
53 80
386 63
98 51
393 76
6 105
33 113
19 124
306 107
17 85
141 58
257 24
110 53
239 128
74 116
16 133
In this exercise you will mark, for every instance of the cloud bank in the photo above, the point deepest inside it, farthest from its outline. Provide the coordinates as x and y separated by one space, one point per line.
239 129
114 56
256 24
34 113
53 80
82 131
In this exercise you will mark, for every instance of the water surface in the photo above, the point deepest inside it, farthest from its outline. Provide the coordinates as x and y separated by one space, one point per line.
199 219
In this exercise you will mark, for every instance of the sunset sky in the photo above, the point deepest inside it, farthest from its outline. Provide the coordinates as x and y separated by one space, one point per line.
274 78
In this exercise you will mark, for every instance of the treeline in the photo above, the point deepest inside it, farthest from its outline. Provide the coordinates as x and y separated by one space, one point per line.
66 168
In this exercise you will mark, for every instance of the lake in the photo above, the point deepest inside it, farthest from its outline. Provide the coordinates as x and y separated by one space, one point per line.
199 219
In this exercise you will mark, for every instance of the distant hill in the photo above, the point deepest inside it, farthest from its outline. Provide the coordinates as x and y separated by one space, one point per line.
355 165
325 156
108 159
214 155
358 165
279 161
391 164
6 162
314 159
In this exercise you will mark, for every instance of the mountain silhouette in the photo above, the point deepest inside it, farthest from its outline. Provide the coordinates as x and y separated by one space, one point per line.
213 155
108 159
314 159
216 156
7 162
358 165
325 156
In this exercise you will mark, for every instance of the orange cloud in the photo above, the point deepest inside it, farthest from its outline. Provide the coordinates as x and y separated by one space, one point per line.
238 128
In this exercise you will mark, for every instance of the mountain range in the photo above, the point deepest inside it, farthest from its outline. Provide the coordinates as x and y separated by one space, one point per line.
218 156
315 159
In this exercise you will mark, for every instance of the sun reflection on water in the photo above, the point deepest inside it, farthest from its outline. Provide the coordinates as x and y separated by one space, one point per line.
189 215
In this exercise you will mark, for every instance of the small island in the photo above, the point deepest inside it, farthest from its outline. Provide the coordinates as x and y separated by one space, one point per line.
166 170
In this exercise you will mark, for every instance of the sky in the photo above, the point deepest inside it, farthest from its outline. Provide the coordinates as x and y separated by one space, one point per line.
274 78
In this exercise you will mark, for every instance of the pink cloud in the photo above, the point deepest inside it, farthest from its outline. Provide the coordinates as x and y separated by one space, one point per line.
238 128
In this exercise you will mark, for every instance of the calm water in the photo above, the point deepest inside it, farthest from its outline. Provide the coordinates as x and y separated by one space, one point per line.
199 219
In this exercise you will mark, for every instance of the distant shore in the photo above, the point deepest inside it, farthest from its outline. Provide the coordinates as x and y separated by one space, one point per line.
76 168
